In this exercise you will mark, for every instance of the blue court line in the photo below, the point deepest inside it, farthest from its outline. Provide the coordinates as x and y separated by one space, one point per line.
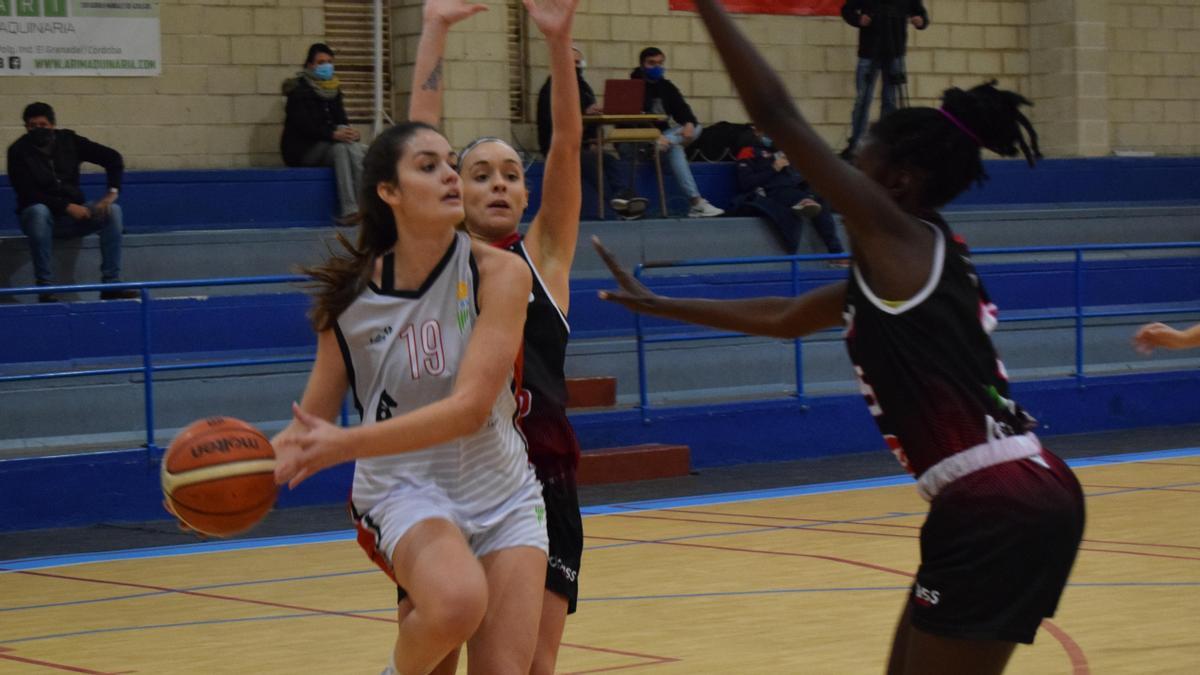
626 598
701 500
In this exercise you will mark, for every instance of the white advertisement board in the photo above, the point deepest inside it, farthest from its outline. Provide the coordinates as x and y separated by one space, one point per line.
80 37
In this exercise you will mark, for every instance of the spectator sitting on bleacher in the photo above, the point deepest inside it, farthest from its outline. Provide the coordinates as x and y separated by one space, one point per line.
770 187
43 167
317 132
625 202
664 98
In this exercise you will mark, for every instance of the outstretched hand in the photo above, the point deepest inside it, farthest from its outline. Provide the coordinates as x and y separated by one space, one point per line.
1157 335
633 294
308 446
450 12
552 17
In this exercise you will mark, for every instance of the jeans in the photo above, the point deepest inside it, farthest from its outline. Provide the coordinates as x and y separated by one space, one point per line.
347 162
41 228
864 85
677 158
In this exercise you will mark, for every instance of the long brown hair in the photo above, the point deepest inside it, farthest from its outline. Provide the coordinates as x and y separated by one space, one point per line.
341 278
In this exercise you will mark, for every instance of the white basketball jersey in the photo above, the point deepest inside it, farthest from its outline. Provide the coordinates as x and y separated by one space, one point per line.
402 350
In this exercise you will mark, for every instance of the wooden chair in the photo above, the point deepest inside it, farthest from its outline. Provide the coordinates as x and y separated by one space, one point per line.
634 135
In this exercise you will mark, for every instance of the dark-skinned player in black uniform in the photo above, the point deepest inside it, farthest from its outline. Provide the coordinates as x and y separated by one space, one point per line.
494 199
1006 517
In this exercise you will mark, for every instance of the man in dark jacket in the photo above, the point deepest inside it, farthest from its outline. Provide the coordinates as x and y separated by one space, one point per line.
882 42
625 202
316 131
43 167
682 127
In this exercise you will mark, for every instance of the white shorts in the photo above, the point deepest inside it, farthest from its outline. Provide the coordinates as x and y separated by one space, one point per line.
518 521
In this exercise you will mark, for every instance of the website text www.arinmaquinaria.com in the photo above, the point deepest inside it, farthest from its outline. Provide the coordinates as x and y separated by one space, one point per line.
117 64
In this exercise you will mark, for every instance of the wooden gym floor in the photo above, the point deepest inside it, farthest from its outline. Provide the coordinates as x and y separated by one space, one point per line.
791 580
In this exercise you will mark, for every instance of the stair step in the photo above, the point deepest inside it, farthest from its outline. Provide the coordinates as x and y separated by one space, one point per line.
591 392
634 462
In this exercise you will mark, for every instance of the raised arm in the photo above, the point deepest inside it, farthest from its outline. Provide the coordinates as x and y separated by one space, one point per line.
896 245
425 99
504 288
776 317
554 231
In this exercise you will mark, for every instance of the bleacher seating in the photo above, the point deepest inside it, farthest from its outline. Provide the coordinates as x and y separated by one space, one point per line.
200 224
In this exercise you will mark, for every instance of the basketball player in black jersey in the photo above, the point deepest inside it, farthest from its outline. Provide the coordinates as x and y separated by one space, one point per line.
1006 517
495 198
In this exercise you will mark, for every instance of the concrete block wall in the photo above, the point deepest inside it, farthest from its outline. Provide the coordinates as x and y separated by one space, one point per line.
217 103
1154 75
1106 74
967 42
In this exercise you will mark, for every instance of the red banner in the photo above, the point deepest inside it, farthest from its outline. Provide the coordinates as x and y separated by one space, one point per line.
797 7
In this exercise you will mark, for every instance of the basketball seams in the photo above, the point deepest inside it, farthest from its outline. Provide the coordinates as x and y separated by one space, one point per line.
174 481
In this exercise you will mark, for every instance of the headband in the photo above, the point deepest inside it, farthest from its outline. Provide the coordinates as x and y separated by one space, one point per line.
462 156
962 127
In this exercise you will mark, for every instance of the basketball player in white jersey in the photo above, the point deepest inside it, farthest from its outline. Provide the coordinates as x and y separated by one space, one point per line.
423 327
495 198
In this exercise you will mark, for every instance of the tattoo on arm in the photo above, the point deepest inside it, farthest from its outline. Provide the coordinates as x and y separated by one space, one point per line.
435 78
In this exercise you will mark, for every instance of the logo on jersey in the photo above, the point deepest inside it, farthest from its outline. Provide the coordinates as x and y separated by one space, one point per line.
387 404
925 597
464 307
381 335
540 512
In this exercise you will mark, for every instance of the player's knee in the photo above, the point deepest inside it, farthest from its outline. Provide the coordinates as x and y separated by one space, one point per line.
459 607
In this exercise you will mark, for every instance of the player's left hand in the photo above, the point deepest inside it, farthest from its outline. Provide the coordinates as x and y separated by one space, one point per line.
552 17
1157 335
633 294
312 445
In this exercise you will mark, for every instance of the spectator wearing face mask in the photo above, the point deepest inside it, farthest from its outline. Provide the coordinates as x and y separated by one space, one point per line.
316 131
680 129
623 200
43 167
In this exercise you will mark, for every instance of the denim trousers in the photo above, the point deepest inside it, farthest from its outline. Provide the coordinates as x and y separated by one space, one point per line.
41 228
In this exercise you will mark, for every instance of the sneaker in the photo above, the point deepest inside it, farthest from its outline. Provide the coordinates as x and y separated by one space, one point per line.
807 208
702 209
630 205
123 294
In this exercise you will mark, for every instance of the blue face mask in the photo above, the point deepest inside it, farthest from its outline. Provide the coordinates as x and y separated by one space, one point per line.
323 71
655 72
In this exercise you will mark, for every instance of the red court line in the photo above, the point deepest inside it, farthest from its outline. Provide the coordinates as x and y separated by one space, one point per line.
55 666
1139 488
795 519
1138 553
1138 543
1079 662
1078 658
778 527
200 594
650 660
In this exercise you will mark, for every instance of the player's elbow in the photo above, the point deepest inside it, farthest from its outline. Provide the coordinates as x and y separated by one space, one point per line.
472 411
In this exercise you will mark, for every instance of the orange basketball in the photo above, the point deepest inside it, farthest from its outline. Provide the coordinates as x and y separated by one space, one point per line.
218 476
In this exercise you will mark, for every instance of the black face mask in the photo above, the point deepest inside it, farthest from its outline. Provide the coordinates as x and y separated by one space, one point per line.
41 136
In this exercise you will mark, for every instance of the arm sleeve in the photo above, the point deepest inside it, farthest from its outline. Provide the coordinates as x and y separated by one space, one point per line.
339 108
102 155
27 189
851 10
918 9
678 108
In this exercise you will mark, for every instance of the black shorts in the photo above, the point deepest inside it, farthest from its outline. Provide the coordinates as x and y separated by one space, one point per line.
564 525
996 551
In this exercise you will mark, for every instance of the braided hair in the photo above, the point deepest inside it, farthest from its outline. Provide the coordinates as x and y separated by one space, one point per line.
944 144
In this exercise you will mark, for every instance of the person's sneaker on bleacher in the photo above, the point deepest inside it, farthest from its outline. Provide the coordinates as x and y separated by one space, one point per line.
702 209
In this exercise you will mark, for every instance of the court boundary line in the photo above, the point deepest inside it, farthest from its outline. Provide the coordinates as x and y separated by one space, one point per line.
73 559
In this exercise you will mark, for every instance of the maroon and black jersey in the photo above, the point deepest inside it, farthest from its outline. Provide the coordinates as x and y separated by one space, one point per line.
927 366
542 400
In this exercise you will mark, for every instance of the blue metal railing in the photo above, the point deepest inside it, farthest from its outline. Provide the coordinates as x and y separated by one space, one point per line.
1078 315
148 367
